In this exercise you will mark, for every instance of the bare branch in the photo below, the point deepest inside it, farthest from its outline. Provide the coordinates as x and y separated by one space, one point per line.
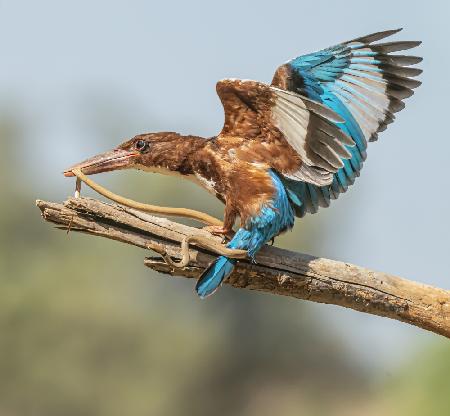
277 271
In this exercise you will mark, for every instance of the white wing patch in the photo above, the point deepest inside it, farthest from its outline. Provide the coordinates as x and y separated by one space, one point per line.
307 127
291 117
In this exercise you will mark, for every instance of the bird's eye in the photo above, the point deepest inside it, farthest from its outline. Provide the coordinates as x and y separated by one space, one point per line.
141 145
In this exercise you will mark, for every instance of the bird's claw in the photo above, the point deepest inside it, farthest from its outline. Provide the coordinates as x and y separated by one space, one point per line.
218 230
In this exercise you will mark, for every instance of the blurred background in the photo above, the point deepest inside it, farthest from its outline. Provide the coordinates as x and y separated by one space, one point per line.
86 329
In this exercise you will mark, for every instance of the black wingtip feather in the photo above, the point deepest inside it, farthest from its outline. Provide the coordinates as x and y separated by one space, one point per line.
373 37
401 71
388 47
402 81
398 91
401 60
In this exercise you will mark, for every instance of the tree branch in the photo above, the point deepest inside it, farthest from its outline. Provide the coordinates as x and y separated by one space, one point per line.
277 271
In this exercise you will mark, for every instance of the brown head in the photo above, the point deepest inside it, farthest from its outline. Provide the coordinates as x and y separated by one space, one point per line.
163 152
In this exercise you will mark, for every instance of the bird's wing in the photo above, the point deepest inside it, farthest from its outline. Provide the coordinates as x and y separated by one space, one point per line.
269 119
365 84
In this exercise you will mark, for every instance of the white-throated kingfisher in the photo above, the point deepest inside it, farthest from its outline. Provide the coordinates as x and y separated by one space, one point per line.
285 149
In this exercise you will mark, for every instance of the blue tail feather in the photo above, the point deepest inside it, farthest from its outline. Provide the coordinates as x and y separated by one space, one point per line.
213 277
274 217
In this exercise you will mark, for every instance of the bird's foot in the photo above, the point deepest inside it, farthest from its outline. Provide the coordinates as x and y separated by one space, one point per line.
216 230
226 233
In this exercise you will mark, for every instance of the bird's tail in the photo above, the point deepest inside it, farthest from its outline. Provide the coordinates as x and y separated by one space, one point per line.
214 275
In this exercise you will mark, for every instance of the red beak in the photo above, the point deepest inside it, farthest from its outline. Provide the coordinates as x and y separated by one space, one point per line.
113 160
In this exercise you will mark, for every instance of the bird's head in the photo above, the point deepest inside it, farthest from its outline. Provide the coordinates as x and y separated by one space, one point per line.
154 152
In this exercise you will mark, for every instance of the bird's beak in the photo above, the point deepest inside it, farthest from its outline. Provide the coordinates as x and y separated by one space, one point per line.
104 162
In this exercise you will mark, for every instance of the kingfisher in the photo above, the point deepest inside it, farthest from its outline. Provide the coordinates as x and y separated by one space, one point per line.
285 149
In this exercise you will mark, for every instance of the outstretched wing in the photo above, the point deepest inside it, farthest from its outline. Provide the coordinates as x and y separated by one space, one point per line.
362 82
290 133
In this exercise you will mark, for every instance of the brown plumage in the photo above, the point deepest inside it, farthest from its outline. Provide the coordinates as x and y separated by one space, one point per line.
286 147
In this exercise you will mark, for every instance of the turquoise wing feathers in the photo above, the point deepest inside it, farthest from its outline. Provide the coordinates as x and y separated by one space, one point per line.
365 84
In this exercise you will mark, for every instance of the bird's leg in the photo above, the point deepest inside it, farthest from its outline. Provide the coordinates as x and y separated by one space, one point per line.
217 229
226 233
226 230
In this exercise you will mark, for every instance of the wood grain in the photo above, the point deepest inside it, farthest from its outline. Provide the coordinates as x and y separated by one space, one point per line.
277 271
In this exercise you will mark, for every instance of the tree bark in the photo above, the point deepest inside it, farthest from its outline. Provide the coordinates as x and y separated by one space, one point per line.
277 271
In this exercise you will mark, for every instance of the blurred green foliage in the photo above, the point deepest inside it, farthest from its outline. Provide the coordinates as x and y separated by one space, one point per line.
85 329
423 386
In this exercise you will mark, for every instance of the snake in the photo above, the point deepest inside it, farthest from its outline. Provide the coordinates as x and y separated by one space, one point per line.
200 241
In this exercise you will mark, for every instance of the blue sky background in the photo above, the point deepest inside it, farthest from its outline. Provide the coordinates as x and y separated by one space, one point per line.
86 75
